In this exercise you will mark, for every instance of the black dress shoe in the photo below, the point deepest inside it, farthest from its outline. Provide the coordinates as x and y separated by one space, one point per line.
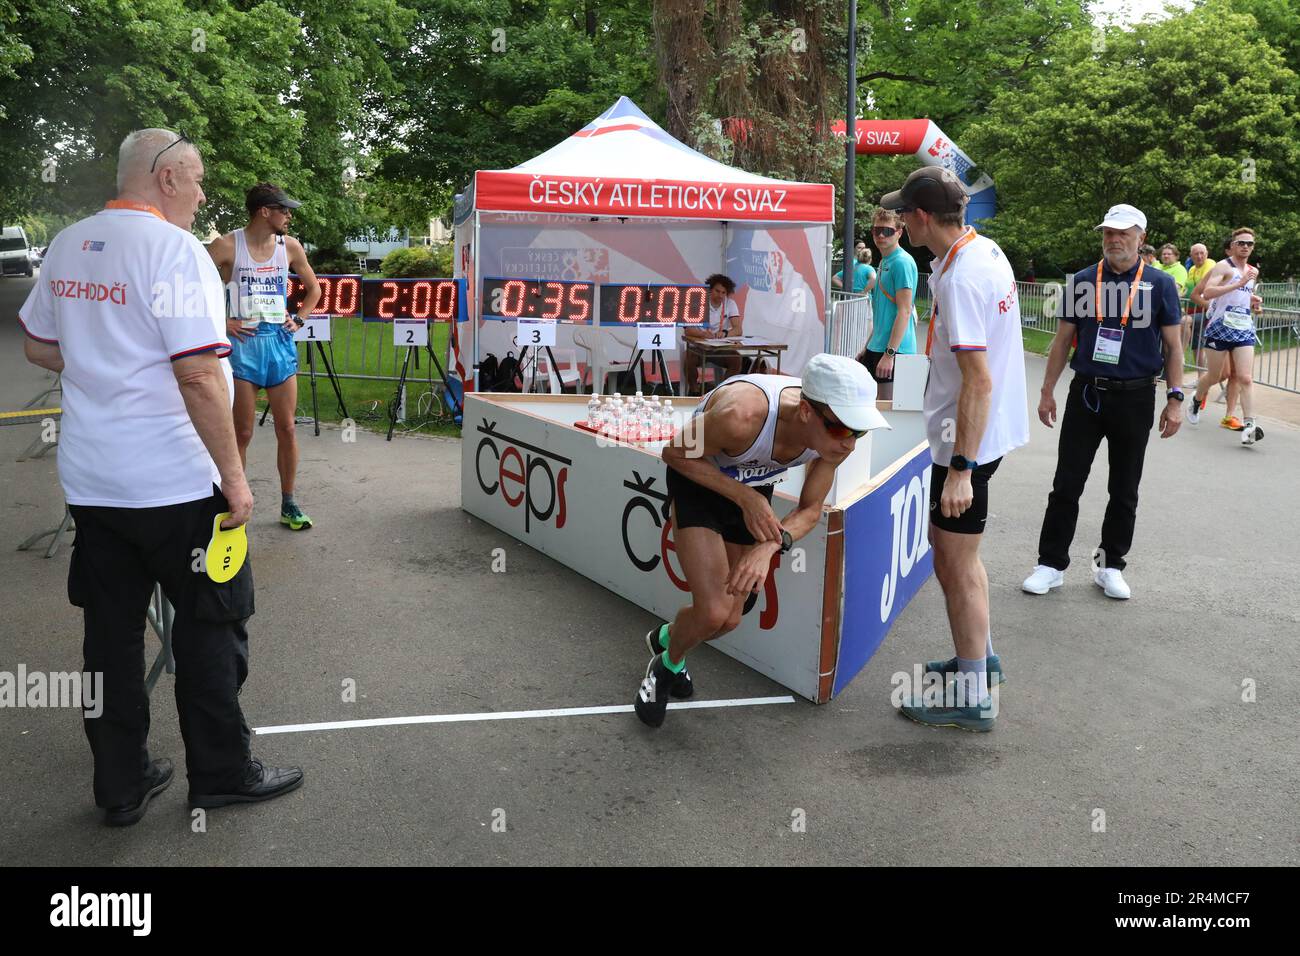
260 783
160 778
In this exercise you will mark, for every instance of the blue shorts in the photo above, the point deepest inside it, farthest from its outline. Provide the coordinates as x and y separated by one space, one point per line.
266 359
1221 338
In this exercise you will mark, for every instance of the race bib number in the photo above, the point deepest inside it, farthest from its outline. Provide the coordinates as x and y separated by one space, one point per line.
1235 317
263 299
1109 343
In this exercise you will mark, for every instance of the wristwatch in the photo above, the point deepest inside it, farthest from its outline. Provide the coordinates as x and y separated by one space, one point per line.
889 351
961 463
1176 394
787 541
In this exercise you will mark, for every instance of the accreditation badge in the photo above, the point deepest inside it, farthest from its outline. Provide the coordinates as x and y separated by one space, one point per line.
1109 343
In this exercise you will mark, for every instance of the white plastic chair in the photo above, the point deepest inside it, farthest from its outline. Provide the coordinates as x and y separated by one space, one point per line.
559 379
615 367
588 340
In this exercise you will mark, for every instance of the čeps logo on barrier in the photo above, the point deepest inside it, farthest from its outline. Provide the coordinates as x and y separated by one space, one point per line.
909 504
657 505
516 475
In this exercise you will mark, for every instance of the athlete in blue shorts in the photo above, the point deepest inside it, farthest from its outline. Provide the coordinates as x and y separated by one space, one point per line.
255 263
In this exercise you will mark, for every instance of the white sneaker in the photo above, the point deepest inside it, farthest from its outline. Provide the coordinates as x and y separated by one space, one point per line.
1248 434
1194 410
1112 582
1043 580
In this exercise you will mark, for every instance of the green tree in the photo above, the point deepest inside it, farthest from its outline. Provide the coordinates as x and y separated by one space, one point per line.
1191 119
491 83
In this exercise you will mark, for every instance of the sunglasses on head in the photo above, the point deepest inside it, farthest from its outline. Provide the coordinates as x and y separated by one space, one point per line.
885 231
837 430
154 164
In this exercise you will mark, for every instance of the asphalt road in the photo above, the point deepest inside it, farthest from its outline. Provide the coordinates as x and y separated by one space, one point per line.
1134 709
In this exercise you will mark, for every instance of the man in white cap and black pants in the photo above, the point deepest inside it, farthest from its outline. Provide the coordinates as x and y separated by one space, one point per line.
974 414
1127 321
721 470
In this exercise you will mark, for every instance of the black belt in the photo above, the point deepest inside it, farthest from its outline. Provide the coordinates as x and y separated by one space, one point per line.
1117 384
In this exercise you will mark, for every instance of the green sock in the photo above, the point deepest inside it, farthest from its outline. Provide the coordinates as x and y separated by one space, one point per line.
675 668
663 636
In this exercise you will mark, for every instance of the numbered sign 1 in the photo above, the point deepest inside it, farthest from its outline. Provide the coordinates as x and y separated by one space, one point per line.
535 333
410 333
316 329
656 336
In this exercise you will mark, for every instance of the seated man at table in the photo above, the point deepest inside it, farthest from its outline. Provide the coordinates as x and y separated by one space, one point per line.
724 321
721 472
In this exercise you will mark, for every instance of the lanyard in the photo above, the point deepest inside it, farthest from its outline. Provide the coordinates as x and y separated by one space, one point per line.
137 206
934 306
1132 290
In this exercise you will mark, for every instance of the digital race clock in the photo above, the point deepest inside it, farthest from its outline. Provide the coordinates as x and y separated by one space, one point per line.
406 300
630 304
339 295
556 299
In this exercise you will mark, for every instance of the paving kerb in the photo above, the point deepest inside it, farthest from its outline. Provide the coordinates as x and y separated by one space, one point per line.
1131 708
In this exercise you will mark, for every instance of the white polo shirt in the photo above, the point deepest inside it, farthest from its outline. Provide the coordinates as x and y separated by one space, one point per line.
978 309
123 293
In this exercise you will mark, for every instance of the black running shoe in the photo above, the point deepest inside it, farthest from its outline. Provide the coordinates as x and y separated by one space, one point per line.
683 687
651 703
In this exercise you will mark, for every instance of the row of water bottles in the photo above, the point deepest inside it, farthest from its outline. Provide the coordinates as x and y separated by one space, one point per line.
632 419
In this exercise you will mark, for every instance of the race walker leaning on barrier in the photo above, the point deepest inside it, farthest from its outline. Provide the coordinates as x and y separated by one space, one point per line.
1128 324
129 309
255 263
741 441
1230 291
974 414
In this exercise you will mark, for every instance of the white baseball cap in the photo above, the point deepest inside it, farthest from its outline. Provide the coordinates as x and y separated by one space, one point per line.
846 388
1124 216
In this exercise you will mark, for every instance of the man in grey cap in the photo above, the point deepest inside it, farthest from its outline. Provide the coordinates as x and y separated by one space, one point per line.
737 445
255 263
1127 322
974 414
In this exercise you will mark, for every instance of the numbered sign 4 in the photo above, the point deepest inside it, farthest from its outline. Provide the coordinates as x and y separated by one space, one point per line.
316 329
410 333
656 336
535 333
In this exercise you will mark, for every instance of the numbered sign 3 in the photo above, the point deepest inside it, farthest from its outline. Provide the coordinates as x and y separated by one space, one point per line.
656 336
410 333
537 333
316 329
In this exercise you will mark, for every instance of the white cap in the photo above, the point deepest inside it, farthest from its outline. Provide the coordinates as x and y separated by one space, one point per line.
1124 216
846 387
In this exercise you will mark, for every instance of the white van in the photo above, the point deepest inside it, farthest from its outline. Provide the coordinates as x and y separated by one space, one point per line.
15 254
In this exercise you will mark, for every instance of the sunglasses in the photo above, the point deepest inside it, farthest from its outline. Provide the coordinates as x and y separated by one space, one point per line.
1243 242
885 231
837 430
183 139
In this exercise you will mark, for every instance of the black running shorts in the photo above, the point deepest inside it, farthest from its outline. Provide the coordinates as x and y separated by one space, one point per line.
970 521
699 507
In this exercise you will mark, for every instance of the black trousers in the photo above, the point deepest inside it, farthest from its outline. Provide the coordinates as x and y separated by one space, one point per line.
118 555
1124 419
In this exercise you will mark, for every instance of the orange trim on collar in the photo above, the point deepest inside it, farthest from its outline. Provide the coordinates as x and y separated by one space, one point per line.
137 206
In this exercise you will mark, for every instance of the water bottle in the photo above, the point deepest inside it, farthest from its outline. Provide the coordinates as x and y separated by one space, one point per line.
593 412
670 422
647 423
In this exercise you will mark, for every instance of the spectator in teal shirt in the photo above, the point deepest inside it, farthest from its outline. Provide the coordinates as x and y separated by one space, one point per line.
893 301
864 277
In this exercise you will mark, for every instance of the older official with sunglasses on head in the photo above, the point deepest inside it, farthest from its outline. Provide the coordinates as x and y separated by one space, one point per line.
129 308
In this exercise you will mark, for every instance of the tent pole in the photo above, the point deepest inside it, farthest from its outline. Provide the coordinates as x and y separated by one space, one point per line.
830 264
478 306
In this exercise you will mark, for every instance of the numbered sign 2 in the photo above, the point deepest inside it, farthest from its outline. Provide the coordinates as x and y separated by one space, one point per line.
316 329
656 336
535 333
411 333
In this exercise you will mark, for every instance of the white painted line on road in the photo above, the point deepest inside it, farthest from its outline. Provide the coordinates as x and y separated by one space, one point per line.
511 715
